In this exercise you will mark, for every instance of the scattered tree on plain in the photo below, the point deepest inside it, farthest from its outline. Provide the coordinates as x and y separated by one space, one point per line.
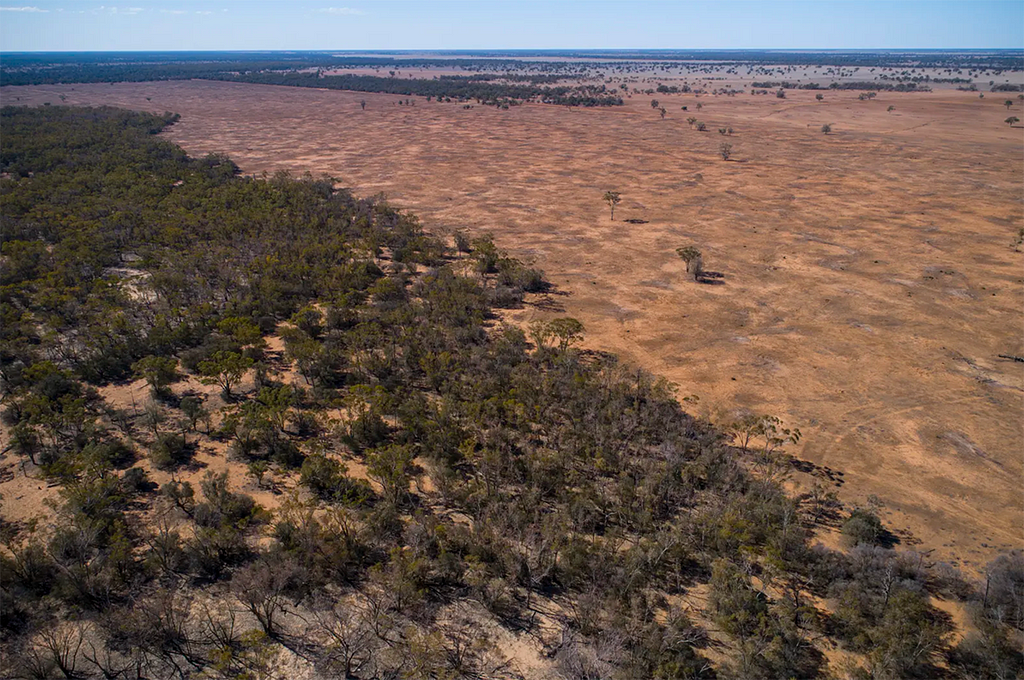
612 198
693 259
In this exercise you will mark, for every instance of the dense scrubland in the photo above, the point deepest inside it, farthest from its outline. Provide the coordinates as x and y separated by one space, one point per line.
450 496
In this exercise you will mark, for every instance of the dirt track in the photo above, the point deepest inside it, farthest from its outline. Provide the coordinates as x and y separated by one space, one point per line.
868 281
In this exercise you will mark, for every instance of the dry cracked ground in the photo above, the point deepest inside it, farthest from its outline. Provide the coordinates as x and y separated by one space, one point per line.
868 277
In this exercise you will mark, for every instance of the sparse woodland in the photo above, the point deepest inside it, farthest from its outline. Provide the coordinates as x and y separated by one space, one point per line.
449 489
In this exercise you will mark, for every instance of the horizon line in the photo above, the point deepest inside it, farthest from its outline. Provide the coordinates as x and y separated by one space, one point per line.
532 50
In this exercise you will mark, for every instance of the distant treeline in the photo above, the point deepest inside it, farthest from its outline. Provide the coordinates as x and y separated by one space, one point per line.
989 59
132 72
511 77
482 90
673 89
852 85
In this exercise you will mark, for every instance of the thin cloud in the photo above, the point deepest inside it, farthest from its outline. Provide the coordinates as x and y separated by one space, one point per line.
23 9
342 11
173 11
203 13
103 9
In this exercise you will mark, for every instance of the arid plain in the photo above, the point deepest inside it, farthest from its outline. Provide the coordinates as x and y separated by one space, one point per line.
869 279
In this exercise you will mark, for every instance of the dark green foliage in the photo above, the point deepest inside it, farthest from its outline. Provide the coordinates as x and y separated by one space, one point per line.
158 372
170 450
880 607
864 527
326 478
366 430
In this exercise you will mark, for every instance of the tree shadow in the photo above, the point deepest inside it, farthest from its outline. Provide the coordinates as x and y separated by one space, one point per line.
709 278
546 301
822 472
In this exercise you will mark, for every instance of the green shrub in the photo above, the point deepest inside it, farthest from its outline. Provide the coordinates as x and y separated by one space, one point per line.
170 451
863 527
326 479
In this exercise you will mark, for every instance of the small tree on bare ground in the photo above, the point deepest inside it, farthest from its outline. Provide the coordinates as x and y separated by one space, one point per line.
725 150
612 198
1012 120
826 128
820 97
693 259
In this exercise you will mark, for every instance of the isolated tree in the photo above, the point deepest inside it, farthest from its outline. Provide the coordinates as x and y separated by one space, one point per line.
1012 120
701 126
1008 103
891 108
362 104
662 110
224 369
700 105
725 150
158 372
826 128
567 330
612 198
390 466
819 97
780 93
693 259
655 103
691 120
193 409
462 244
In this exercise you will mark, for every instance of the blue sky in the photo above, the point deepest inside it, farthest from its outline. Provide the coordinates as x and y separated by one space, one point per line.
71 25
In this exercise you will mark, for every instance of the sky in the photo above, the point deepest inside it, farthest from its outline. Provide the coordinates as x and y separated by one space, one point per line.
143 25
